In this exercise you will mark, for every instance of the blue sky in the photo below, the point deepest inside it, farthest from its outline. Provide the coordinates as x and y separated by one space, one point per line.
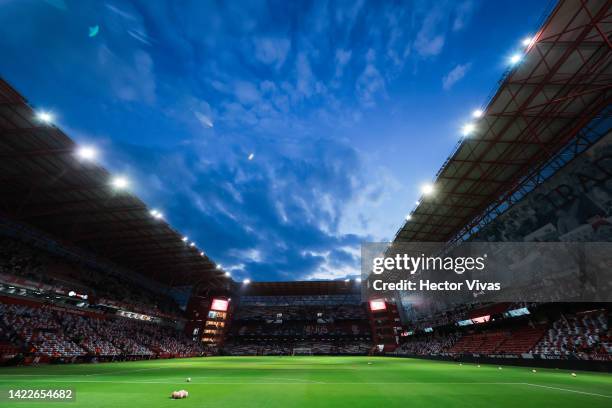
346 106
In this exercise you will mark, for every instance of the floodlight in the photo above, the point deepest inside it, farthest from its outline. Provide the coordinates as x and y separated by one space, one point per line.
192 244
417 203
515 59
46 117
87 153
156 214
120 182
185 239
201 253
468 129
246 281
219 266
477 113
427 188
408 217
228 274
527 41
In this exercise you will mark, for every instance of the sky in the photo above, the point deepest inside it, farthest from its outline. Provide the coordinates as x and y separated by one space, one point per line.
277 135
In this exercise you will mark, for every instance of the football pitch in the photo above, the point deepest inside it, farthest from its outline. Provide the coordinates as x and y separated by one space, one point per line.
228 382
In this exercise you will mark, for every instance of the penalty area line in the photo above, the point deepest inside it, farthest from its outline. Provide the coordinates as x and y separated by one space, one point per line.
568 390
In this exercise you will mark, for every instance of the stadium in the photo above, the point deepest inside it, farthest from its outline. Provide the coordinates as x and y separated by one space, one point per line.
104 302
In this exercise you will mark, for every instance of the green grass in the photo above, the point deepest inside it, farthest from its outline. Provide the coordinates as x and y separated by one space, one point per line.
290 382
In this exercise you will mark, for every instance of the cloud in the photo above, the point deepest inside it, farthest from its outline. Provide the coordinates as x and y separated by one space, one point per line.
370 83
463 13
431 36
277 216
132 80
271 51
455 75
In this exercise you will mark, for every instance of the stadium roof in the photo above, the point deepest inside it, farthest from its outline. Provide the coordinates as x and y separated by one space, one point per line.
44 184
301 288
561 82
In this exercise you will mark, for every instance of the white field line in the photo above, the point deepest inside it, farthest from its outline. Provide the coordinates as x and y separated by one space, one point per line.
311 382
308 382
568 390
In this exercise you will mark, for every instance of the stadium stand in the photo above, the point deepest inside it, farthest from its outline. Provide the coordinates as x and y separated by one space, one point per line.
299 317
53 332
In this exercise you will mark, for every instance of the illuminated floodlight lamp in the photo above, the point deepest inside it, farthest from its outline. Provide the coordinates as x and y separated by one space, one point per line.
185 239
156 214
218 266
45 117
246 281
527 41
228 274
468 129
408 217
427 189
192 244
87 153
417 203
515 59
120 182
202 253
477 113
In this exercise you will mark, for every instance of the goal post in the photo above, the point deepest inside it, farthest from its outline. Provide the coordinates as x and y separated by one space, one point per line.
302 351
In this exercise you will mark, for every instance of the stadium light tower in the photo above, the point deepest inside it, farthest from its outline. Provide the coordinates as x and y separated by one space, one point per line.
120 183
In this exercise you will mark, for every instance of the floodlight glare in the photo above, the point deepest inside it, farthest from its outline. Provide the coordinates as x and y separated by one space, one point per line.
46 117
246 281
408 217
228 274
156 214
201 253
185 239
87 153
427 189
417 203
192 244
515 59
527 41
477 113
468 129
218 266
120 182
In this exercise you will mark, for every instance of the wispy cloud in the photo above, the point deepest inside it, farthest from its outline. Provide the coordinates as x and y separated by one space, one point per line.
455 75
